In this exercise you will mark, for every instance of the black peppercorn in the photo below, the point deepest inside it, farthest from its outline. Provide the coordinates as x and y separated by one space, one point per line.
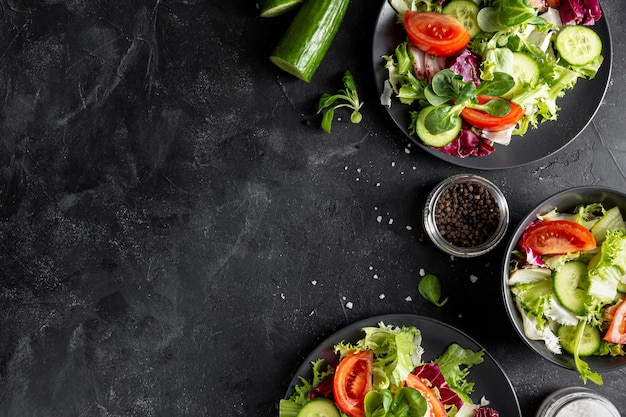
467 215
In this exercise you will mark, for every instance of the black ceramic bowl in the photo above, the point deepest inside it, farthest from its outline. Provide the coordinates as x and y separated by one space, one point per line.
564 201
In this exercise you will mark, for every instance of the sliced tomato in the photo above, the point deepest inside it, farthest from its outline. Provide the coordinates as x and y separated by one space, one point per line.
435 406
554 237
353 379
616 332
436 33
484 120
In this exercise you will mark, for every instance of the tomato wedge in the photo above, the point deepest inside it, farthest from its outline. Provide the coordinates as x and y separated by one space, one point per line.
484 120
436 33
616 332
353 379
554 237
435 406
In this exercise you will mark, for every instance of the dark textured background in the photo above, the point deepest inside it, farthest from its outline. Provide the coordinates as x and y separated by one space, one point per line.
177 232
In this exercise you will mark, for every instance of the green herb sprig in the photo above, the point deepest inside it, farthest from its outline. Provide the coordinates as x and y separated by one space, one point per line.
350 98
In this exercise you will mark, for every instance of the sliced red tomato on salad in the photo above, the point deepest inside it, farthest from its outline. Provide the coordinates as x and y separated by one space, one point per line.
483 120
554 237
435 406
353 379
616 333
436 33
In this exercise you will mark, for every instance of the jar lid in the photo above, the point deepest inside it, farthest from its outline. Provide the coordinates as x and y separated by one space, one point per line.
576 401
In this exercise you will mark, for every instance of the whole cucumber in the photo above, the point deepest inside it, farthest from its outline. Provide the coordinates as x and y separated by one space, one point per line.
303 47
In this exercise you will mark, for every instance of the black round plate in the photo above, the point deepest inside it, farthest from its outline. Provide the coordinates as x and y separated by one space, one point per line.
489 378
578 106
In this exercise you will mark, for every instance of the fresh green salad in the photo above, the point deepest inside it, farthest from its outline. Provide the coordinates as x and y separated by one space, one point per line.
568 278
474 73
383 375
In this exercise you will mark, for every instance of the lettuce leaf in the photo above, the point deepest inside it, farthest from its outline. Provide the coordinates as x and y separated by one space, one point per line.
397 351
610 268
455 363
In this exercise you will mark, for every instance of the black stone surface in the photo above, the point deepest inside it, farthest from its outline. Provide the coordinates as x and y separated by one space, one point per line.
177 233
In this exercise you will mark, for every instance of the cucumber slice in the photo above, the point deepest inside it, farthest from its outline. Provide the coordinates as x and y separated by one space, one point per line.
435 140
306 41
271 8
466 12
319 407
566 284
525 72
578 45
589 344
611 220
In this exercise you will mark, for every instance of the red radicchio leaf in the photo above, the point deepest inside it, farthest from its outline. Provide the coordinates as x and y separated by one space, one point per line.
468 143
486 412
432 373
467 66
324 389
585 12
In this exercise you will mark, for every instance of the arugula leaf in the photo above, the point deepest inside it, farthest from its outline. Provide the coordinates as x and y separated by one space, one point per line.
351 100
430 288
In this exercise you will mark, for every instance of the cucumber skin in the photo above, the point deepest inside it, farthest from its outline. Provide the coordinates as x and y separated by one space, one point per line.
305 43
273 8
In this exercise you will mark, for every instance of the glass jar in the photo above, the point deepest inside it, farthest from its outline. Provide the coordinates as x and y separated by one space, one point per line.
576 402
430 216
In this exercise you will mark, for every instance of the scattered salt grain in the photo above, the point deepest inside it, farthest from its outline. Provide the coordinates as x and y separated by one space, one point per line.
408 299
393 164
375 276
407 150
282 295
358 170
473 278
378 184
371 268
314 282
379 219
409 228
390 221
382 296
349 305
422 272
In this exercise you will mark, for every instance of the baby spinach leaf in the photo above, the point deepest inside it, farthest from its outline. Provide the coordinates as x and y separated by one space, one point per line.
430 288
498 86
